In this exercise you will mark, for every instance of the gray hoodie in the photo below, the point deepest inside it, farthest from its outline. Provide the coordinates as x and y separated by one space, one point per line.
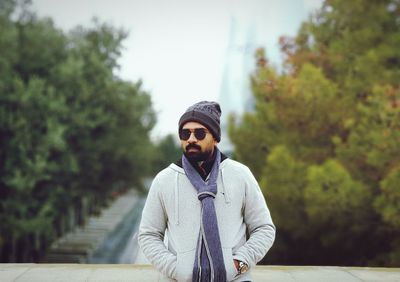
172 209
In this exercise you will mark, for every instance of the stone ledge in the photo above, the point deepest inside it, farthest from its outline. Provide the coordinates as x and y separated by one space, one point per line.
143 273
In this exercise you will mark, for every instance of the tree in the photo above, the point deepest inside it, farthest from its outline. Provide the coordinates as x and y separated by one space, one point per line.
333 113
167 151
338 212
283 182
72 132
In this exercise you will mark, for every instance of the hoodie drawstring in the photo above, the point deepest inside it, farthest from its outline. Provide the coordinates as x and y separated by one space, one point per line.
224 189
177 199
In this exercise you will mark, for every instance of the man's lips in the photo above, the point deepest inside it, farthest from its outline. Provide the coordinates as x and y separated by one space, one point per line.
192 148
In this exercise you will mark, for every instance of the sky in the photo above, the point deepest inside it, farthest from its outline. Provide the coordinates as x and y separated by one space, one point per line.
178 48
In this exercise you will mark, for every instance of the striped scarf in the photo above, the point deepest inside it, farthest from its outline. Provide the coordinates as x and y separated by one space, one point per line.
209 261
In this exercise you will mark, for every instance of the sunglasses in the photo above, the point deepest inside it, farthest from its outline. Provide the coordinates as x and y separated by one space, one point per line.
199 133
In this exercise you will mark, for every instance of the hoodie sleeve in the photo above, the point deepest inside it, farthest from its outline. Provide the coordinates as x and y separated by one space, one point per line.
152 230
260 228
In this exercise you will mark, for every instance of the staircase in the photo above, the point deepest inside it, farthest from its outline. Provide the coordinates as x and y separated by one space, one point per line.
104 237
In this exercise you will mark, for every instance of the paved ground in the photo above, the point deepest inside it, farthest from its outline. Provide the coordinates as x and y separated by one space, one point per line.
143 273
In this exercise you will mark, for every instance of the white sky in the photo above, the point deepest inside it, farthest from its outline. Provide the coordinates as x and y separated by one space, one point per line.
178 47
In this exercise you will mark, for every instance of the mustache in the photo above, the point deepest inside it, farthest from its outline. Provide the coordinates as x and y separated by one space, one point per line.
194 146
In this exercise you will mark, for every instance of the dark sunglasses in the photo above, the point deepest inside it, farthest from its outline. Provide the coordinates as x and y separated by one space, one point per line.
199 133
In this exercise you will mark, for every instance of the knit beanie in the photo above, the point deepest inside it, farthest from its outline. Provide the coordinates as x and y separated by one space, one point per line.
204 112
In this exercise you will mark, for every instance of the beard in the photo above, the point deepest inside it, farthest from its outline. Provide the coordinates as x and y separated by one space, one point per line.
198 155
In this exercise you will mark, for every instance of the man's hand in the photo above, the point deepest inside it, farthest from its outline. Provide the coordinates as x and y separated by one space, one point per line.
241 266
236 262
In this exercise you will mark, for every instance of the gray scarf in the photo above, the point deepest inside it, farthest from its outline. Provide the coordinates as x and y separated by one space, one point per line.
209 261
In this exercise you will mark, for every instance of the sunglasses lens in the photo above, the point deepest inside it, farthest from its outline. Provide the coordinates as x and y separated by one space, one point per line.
199 133
184 134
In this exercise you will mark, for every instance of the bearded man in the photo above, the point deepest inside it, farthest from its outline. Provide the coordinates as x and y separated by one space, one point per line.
208 206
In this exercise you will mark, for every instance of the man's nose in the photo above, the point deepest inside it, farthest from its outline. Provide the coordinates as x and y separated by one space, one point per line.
192 138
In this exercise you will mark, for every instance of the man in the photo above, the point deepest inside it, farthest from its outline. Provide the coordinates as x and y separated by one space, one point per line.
210 207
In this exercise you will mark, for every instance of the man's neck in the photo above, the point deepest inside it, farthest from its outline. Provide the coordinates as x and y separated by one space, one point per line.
210 162
204 167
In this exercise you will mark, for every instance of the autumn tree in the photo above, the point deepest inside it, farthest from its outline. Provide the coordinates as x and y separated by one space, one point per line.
327 132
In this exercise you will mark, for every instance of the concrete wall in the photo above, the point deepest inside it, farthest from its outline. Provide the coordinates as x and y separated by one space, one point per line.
143 273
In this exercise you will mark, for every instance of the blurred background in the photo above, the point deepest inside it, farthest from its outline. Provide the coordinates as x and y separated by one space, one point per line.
91 93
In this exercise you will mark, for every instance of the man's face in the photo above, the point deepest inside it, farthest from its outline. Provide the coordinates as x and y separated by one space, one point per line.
197 149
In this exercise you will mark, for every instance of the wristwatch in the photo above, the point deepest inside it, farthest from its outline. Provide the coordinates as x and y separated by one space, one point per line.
243 267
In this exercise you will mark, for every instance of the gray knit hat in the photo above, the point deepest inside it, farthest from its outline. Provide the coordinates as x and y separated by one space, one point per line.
204 112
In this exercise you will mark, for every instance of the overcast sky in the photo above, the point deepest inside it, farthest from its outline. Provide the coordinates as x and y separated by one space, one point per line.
178 47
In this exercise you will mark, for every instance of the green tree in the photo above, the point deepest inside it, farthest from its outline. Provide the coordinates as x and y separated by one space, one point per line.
333 112
387 205
338 210
285 196
72 133
166 151
283 181
388 201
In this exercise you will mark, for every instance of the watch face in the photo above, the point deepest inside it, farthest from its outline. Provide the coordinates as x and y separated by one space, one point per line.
243 267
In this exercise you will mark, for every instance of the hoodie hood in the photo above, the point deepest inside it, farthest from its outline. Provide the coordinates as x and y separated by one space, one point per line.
180 173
